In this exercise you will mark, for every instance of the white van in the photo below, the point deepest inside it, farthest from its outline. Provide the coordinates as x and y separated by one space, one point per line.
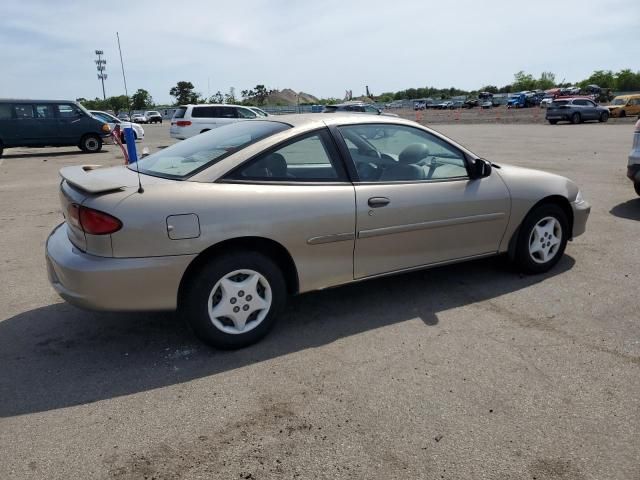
191 120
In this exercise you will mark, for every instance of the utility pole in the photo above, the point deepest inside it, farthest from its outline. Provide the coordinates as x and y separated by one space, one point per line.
101 67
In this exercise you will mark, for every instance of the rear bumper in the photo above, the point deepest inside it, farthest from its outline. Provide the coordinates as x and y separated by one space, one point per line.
581 213
115 284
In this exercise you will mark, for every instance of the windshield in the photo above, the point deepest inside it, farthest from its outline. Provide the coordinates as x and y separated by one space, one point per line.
619 101
189 156
105 117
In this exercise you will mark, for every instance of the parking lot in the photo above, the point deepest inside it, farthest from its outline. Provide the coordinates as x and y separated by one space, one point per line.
470 371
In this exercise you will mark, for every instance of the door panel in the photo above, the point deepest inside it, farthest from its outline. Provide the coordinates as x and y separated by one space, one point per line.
428 222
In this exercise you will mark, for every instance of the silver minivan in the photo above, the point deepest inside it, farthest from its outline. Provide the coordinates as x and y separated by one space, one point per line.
191 120
50 123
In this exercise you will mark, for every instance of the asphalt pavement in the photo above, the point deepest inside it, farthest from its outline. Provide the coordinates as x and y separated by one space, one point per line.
471 371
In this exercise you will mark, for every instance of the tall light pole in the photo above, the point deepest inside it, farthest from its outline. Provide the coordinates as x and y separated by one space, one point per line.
101 67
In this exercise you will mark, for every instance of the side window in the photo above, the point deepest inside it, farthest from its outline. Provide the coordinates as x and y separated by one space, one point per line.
388 153
203 112
68 111
228 112
582 103
23 110
310 158
44 111
5 111
635 101
245 113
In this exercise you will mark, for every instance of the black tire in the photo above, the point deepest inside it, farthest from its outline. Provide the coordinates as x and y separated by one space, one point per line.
604 116
527 261
1 149
91 143
622 114
636 187
553 122
194 304
576 118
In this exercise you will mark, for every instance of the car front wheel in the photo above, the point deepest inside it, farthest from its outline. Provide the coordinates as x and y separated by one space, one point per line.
636 186
575 118
553 122
542 239
234 300
604 116
91 143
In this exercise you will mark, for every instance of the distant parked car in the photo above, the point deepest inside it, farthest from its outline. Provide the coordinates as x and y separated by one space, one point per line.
456 104
546 101
356 107
50 123
575 110
487 104
625 105
138 131
138 118
472 102
153 116
124 117
633 167
191 120
419 105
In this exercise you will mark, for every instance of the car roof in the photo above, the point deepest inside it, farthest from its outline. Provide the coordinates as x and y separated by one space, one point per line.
341 118
30 100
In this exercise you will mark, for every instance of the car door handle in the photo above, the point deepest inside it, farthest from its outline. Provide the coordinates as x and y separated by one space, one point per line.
377 202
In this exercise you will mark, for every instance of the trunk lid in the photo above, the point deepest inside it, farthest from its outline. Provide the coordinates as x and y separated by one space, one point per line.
98 188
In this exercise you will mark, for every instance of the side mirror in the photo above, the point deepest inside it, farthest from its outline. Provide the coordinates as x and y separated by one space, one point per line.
481 168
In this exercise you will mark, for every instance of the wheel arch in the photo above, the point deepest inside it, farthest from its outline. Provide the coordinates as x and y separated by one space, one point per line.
265 246
558 200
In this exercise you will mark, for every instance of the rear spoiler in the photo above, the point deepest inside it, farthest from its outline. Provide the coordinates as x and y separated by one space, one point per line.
80 177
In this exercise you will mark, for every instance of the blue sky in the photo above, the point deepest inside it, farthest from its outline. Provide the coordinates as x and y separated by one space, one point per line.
322 48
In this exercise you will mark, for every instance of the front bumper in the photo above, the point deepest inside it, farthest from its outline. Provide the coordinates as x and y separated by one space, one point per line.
115 284
581 213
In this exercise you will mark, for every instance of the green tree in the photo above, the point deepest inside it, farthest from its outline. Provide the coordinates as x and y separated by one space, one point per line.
523 81
627 80
184 93
489 88
601 78
141 100
230 97
546 81
216 97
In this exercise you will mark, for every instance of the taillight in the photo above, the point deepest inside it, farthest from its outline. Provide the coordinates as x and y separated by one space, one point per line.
92 221
183 123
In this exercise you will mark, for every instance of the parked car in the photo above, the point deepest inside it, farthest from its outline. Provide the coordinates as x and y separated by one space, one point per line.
356 107
486 104
546 101
420 105
625 105
153 116
138 118
190 120
471 103
226 225
50 123
259 112
517 101
124 117
456 104
633 167
138 131
575 110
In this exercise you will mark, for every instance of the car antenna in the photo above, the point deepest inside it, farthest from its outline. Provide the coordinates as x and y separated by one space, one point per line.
140 189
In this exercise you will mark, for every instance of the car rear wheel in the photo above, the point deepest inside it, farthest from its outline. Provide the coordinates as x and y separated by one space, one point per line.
1 149
234 300
575 118
91 143
604 116
553 122
542 239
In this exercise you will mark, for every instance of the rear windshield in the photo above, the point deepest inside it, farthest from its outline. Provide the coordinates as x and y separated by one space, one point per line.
184 159
179 113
